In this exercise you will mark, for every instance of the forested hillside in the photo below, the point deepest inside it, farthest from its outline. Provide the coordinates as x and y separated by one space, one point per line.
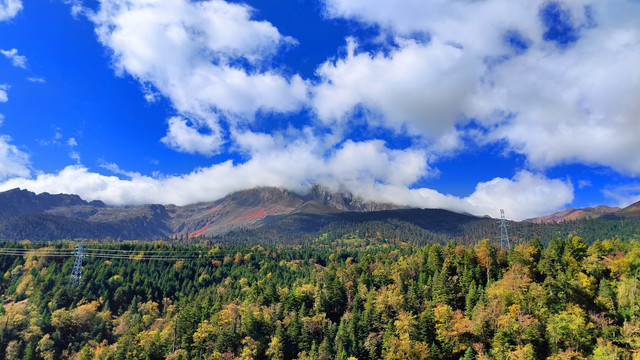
341 298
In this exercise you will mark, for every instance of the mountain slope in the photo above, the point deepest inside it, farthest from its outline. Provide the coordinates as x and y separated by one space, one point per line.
599 212
24 214
575 214
17 201
277 216
630 212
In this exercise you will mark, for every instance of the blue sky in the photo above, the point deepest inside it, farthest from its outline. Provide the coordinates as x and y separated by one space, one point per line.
466 105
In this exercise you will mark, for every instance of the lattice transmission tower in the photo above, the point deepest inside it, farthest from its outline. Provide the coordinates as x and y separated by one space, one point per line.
76 273
504 234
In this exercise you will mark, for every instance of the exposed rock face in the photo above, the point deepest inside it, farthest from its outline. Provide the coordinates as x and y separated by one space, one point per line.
345 201
72 216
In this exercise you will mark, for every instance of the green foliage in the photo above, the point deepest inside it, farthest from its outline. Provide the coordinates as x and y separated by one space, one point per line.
350 301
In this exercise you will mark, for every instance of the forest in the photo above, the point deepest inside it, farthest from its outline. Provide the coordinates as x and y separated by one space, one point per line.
336 297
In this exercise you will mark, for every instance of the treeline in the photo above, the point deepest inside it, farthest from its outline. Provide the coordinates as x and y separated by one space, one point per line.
344 297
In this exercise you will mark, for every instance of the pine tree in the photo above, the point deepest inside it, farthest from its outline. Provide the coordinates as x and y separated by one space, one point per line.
469 354
442 287
342 341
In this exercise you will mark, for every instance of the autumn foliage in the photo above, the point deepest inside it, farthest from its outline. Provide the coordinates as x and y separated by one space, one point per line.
566 300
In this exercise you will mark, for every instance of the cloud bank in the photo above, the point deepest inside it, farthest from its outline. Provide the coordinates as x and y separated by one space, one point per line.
367 169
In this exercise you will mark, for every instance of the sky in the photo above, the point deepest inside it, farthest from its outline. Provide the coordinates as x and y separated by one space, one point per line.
473 106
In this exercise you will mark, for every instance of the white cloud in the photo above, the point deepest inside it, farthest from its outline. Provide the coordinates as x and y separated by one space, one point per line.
9 9
526 195
114 168
623 195
478 26
417 88
368 169
573 103
183 137
584 183
1 119
577 105
190 52
58 140
371 162
13 162
36 79
75 156
3 93
292 164
16 60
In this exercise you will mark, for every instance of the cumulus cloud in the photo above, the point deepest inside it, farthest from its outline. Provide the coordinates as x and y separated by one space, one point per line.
526 195
477 26
575 105
419 88
557 81
183 137
209 58
9 9
13 162
16 60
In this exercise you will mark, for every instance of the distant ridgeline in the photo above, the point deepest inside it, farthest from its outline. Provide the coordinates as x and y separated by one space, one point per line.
336 300
276 216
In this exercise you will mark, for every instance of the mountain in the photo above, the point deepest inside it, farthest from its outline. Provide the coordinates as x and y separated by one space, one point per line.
575 214
278 216
17 201
23 214
599 212
344 200
630 212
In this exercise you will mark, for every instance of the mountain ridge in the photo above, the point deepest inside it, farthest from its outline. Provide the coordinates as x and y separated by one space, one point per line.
276 215
596 212
574 214
24 214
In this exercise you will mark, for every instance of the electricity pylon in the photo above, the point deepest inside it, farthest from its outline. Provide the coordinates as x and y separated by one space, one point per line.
504 234
76 273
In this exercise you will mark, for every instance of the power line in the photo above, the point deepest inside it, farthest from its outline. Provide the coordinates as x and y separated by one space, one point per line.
147 251
86 249
115 254
137 255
